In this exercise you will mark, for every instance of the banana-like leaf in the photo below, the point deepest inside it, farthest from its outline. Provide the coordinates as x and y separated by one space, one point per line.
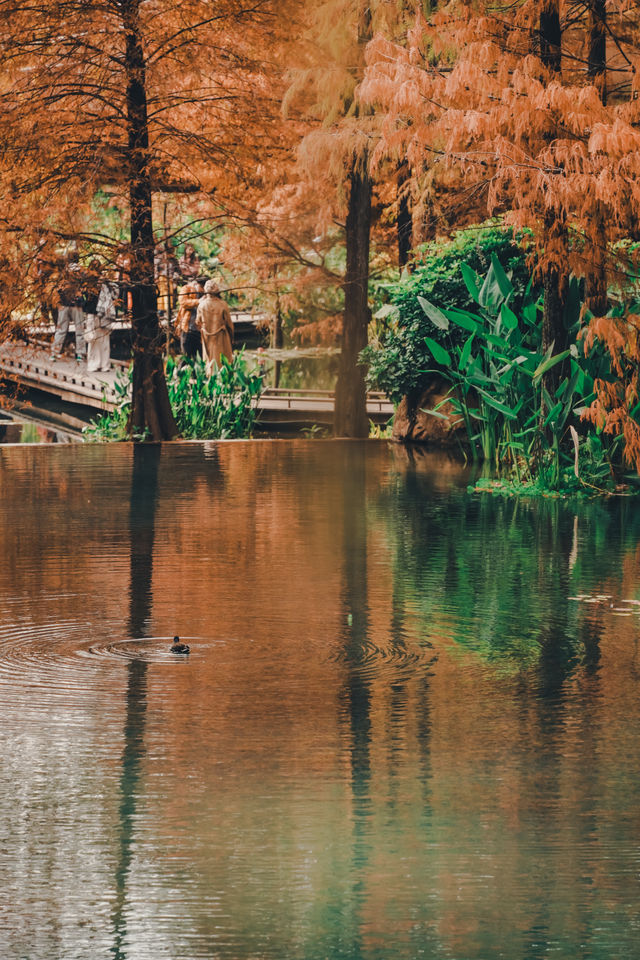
466 353
435 314
496 287
553 414
439 354
508 317
434 413
470 281
530 313
462 318
504 283
385 311
508 412
548 363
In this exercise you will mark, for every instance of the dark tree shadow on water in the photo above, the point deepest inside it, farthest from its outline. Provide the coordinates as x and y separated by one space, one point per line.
369 669
356 693
144 488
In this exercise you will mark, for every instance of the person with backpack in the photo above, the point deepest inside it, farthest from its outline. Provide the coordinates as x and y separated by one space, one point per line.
70 309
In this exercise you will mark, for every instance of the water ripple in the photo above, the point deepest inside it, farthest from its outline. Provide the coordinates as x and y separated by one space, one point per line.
64 655
146 649
370 658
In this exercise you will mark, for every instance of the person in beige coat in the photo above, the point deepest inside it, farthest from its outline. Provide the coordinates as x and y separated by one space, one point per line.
216 327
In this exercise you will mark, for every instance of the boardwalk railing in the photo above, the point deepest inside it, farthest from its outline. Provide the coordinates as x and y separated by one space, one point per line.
31 366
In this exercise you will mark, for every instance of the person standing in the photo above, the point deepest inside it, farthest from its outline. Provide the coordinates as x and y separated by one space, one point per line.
100 304
214 320
186 326
189 263
70 310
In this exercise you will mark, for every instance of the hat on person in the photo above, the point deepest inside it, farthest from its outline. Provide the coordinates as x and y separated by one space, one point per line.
211 287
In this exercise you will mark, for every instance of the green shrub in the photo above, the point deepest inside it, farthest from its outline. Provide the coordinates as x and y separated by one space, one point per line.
493 359
397 360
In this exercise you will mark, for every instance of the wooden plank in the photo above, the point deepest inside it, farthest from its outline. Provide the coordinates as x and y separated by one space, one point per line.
66 379
69 380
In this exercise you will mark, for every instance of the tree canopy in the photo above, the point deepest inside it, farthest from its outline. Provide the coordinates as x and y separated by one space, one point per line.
147 97
328 139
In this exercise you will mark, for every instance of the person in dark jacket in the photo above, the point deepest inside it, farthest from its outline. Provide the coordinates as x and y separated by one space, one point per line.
70 309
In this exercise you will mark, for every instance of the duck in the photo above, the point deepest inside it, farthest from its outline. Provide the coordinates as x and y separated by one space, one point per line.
178 647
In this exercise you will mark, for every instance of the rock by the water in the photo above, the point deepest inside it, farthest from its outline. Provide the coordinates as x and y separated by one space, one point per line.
412 425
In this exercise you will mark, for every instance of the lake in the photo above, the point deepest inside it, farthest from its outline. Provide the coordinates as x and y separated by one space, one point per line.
409 724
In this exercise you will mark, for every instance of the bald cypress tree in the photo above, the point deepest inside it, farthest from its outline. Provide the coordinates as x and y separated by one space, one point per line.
141 95
533 107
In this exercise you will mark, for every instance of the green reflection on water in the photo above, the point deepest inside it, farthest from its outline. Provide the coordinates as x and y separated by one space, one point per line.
505 572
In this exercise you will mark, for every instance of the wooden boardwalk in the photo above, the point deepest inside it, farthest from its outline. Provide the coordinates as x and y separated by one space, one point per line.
31 366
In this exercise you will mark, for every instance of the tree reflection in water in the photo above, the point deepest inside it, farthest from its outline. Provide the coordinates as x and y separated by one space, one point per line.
144 488
375 679
499 578
356 695
502 572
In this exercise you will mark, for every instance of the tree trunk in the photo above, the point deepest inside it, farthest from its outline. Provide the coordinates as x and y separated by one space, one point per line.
277 333
404 221
555 231
150 408
597 55
596 299
551 36
350 418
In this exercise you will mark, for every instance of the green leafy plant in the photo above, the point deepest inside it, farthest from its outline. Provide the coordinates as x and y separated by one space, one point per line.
315 432
221 406
396 355
113 425
381 431
497 375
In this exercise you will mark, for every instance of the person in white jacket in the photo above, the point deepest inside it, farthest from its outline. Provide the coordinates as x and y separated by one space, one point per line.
98 329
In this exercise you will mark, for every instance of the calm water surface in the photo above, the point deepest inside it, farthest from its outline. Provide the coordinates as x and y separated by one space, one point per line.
15 430
409 725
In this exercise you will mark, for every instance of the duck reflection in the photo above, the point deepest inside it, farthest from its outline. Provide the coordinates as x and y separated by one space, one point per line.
144 488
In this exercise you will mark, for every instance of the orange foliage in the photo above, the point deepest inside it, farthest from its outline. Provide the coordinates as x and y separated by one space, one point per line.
614 410
209 76
542 126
